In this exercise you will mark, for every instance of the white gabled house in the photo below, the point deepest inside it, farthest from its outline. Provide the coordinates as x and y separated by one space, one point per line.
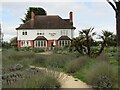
45 31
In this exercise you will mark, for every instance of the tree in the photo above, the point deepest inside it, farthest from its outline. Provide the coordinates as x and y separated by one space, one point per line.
88 34
116 8
78 43
13 41
107 38
84 42
37 11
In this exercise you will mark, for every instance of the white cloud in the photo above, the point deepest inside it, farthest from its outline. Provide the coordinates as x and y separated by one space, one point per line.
9 32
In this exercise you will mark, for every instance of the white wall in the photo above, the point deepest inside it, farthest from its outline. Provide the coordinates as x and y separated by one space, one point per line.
32 34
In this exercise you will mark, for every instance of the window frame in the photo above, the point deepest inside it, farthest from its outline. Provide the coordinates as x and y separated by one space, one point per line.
63 43
40 43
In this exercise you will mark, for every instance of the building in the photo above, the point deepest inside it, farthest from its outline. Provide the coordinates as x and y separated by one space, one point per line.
45 31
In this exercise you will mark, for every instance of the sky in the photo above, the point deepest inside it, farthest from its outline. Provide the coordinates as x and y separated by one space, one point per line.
86 13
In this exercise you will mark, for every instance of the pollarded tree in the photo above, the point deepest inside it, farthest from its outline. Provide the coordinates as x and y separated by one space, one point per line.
37 11
116 8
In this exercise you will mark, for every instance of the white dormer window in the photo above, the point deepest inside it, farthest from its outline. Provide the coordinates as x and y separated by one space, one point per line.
24 32
40 32
64 32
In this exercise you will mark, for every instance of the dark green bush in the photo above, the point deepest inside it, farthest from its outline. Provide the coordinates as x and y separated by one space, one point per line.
102 75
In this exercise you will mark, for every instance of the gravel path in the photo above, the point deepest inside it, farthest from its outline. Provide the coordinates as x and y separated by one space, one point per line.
69 81
45 53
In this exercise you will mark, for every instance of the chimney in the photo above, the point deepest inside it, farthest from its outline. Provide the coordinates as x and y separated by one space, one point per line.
32 19
32 15
71 17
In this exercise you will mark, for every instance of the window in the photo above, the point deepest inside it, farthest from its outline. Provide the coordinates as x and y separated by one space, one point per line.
64 32
44 43
25 43
40 43
64 43
40 32
22 43
24 33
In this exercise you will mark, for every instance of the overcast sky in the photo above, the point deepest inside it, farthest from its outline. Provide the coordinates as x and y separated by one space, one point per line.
86 14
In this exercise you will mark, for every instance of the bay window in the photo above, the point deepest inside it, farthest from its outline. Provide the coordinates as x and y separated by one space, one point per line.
64 43
40 43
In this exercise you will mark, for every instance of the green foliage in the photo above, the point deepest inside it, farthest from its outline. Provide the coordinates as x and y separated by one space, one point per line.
39 60
35 78
6 45
38 50
61 50
75 65
54 60
102 75
85 44
13 42
37 11
57 60
11 57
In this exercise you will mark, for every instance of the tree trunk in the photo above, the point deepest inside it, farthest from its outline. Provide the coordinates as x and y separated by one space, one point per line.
118 28
118 33
88 46
102 48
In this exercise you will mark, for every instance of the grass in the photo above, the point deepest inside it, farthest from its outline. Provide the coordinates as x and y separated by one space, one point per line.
53 61
102 75
80 74
84 68
29 80
75 65
11 58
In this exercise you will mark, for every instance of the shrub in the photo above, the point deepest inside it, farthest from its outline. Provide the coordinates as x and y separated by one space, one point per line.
35 78
11 57
39 60
56 60
61 50
102 75
15 55
37 50
76 65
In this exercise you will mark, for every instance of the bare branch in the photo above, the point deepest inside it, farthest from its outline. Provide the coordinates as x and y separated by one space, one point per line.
115 0
112 5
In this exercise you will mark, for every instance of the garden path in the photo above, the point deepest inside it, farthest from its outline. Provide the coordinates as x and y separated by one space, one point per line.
68 81
46 53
